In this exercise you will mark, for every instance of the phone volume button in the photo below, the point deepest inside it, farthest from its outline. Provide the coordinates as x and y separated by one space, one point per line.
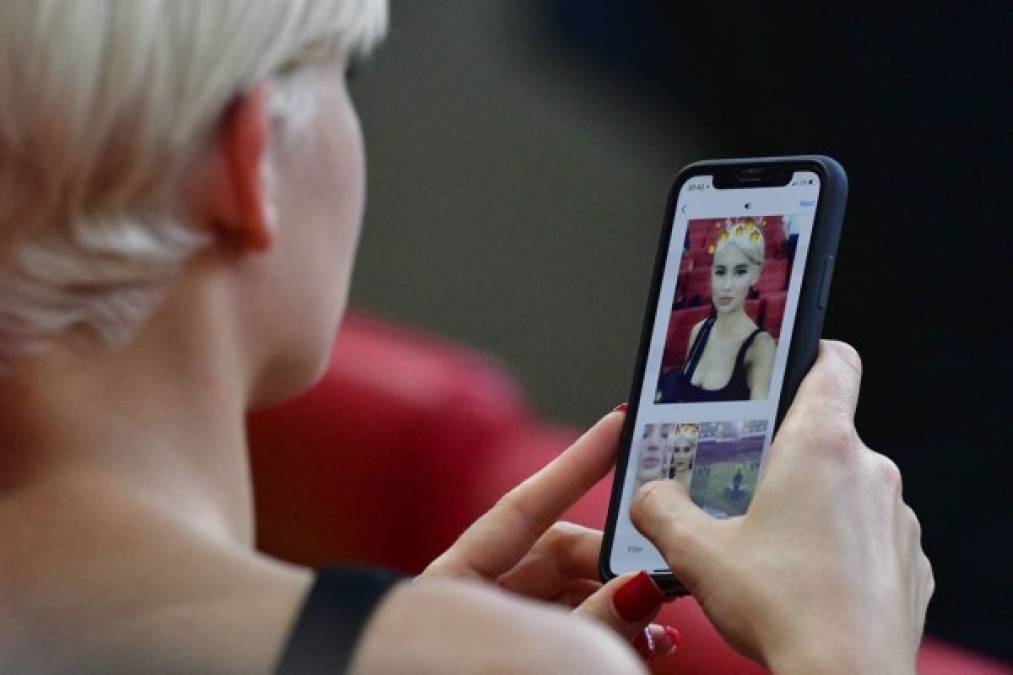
825 276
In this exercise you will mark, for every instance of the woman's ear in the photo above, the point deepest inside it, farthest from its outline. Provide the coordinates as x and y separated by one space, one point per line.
240 201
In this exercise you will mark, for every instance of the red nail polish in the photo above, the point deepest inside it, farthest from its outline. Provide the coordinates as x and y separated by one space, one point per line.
674 635
644 644
621 407
637 598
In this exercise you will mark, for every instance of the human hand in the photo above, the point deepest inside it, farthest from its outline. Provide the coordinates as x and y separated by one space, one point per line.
520 546
825 572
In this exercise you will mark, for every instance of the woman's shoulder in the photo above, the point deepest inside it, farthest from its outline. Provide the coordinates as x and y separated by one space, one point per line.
174 602
454 626
763 345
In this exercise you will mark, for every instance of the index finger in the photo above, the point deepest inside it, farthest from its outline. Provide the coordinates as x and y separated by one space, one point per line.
501 537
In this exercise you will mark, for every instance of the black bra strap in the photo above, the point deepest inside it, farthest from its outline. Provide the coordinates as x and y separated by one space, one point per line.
336 610
745 345
698 346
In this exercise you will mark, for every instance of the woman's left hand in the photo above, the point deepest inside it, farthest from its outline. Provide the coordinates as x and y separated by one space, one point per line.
521 545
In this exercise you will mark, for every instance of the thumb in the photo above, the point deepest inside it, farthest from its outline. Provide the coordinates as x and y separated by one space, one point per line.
664 513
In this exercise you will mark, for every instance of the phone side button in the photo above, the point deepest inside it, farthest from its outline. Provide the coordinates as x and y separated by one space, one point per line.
825 277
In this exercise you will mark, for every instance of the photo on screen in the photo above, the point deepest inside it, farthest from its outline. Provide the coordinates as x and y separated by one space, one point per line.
727 466
729 305
666 451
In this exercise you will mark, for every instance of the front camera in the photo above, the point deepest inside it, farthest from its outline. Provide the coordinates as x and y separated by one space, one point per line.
749 205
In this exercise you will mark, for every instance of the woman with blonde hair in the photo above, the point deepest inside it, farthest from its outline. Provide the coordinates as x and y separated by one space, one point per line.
681 455
181 189
730 358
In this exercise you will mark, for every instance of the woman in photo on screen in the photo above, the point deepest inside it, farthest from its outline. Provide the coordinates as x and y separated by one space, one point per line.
730 358
681 454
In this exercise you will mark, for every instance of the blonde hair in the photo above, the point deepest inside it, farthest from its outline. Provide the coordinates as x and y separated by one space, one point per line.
747 235
102 105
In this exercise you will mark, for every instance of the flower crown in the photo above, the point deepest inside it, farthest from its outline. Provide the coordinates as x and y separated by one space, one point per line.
748 227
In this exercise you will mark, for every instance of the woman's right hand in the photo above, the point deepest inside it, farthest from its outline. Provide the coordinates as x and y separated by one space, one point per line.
825 573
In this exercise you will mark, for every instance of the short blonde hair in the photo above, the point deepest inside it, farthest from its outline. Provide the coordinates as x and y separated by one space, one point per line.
102 105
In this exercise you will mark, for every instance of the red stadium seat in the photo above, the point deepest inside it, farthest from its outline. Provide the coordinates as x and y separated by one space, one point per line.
774 276
773 312
680 288
701 258
695 241
698 227
698 285
773 236
677 342
698 233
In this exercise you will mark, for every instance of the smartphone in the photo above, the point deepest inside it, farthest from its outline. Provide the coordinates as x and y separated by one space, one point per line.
732 325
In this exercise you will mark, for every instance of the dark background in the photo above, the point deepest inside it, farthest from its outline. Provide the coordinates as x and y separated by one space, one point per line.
520 156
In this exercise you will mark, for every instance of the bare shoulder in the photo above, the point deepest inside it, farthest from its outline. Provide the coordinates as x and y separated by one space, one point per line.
175 603
763 347
449 626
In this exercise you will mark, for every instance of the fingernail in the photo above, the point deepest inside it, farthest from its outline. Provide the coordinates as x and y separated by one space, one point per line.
637 598
674 636
621 407
644 644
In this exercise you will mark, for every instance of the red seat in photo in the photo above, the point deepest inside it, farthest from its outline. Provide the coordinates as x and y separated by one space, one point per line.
774 276
773 312
679 327
701 258
696 240
686 264
701 226
698 285
680 288
773 235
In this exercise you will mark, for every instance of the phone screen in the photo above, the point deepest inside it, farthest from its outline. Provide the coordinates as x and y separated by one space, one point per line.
718 349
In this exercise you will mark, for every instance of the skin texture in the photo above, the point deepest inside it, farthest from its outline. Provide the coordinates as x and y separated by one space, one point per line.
125 502
825 573
732 275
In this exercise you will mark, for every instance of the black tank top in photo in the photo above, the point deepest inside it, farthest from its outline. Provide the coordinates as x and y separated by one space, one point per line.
677 386
332 619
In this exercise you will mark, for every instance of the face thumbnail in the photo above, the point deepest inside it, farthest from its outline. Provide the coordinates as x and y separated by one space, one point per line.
653 443
667 451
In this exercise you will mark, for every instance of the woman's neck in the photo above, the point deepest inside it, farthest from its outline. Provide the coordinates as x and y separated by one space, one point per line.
159 424
729 323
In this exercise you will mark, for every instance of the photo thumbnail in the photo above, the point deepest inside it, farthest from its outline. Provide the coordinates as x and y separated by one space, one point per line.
730 298
666 451
727 466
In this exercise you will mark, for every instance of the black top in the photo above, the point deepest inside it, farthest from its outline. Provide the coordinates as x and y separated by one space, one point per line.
677 386
335 612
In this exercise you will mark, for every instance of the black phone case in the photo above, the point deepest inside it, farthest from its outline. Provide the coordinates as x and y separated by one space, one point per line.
812 304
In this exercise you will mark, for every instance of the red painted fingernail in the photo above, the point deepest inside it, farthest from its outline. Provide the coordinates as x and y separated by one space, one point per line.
644 644
675 636
637 598
621 407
